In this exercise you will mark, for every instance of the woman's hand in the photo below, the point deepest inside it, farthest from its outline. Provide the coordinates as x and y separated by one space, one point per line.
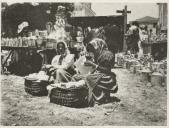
90 63
48 66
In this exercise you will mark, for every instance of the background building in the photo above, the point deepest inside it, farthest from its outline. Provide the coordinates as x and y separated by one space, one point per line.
162 16
83 9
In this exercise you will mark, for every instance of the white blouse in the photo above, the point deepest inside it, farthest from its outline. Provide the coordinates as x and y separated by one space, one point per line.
67 61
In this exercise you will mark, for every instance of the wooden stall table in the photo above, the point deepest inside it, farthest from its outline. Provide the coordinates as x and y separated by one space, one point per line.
11 51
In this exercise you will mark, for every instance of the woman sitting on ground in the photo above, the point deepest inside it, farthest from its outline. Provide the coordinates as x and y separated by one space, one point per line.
62 65
94 49
102 81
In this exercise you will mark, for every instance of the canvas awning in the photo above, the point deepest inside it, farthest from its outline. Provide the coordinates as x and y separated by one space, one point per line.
96 21
147 19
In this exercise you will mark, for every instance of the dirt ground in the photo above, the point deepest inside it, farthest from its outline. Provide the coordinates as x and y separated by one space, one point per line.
135 104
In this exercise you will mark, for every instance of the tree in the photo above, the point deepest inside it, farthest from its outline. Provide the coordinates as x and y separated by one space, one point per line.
35 15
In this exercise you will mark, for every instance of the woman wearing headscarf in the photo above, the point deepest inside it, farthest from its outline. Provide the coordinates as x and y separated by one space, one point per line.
101 82
95 48
62 64
91 35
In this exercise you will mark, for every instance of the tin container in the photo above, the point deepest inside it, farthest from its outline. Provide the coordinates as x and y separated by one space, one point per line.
132 69
156 79
120 61
145 75
125 65
156 66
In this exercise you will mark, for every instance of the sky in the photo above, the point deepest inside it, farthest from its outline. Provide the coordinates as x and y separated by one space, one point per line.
138 10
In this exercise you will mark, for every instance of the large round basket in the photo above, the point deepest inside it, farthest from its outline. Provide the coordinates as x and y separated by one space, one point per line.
73 97
36 88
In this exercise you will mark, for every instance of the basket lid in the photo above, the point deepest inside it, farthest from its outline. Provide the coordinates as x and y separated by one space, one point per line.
157 74
29 78
146 71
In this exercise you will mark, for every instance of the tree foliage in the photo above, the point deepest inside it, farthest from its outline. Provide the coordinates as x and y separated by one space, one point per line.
35 15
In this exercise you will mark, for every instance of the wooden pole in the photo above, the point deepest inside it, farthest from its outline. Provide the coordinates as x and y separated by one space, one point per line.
124 13
125 28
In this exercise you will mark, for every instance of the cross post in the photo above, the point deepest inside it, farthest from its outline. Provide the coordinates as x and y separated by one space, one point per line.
124 13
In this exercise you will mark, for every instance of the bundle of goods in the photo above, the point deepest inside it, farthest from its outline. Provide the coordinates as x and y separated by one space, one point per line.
43 34
19 42
3 41
36 83
72 94
159 76
156 66
120 59
130 63
128 60
145 75
157 79
135 66
164 67
138 68
25 42
39 42
31 42
51 43
162 37
146 60
160 66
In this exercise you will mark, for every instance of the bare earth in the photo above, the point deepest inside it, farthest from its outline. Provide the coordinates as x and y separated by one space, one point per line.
135 104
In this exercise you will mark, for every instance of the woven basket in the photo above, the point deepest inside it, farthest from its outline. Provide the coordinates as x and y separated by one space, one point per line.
36 88
72 97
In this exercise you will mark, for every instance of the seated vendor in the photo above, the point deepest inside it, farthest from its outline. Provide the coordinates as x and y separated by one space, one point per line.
61 67
102 82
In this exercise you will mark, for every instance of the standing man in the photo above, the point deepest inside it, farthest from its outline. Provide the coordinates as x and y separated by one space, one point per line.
112 33
133 38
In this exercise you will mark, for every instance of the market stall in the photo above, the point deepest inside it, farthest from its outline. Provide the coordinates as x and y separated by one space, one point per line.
42 42
68 29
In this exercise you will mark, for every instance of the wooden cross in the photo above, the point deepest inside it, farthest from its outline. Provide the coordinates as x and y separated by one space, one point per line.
124 13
